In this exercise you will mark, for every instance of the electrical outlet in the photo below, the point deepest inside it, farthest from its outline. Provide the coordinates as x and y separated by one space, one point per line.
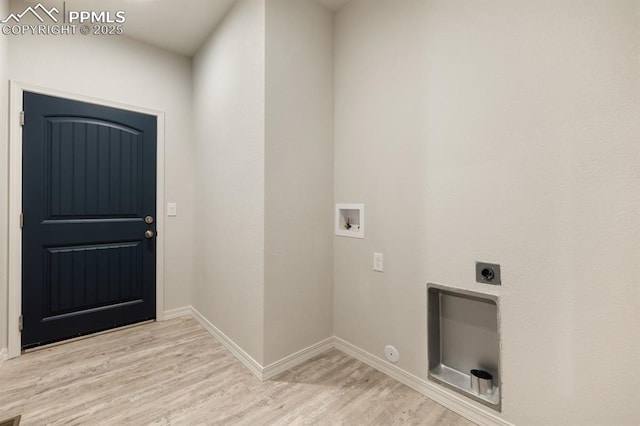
488 273
378 262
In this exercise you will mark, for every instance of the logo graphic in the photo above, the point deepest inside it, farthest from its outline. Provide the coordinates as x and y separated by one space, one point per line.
34 11
67 23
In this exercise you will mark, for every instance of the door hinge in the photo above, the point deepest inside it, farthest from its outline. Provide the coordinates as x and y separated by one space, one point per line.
20 323
21 220
22 118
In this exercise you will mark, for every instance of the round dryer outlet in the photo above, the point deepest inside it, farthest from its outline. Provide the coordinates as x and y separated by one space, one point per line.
391 353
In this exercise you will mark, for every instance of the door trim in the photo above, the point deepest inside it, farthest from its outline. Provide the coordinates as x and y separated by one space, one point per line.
16 90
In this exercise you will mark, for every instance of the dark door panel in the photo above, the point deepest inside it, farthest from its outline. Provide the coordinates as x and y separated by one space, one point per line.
79 278
89 180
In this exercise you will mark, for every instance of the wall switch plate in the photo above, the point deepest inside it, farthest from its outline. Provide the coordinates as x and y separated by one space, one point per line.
172 209
378 262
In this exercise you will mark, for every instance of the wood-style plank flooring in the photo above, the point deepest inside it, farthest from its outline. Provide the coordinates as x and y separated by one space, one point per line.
175 373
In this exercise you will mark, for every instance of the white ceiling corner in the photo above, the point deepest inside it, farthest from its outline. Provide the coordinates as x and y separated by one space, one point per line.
180 26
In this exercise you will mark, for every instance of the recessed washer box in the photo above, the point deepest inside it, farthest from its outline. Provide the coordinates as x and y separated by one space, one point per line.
464 335
350 220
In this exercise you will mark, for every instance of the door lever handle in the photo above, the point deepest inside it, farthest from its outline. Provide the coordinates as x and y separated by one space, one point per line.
149 234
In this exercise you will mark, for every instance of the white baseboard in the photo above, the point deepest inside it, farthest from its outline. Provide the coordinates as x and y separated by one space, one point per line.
177 313
431 390
236 350
4 355
299 357
262 373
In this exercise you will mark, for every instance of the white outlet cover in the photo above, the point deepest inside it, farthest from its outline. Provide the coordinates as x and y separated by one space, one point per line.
391 353
172 209
378 262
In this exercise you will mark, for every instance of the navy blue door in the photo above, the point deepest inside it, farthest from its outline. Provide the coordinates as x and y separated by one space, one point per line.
89 182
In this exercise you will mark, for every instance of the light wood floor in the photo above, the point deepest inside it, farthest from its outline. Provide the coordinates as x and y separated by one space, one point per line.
175 373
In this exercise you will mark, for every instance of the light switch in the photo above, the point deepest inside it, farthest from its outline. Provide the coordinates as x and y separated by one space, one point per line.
378 262
172 209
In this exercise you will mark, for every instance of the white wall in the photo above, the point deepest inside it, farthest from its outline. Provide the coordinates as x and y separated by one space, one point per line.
298 298
503 131
228 92
4 175
126 71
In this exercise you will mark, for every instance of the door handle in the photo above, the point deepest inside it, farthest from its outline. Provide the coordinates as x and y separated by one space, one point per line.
149 234
148 220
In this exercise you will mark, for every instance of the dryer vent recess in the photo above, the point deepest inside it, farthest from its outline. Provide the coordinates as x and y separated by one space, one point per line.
488 273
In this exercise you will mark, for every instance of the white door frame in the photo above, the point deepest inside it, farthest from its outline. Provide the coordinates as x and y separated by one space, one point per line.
15 202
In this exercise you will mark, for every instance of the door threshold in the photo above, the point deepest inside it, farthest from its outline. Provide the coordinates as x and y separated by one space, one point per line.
88 336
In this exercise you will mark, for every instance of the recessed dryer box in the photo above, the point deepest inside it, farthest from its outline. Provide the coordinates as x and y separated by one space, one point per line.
350 220
464 335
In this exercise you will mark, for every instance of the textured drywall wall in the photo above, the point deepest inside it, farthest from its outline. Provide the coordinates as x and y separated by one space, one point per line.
121 70
298 294
228 92
502 131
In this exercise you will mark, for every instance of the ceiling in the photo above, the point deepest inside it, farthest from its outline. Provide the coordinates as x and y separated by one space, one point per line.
177 25
180 26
